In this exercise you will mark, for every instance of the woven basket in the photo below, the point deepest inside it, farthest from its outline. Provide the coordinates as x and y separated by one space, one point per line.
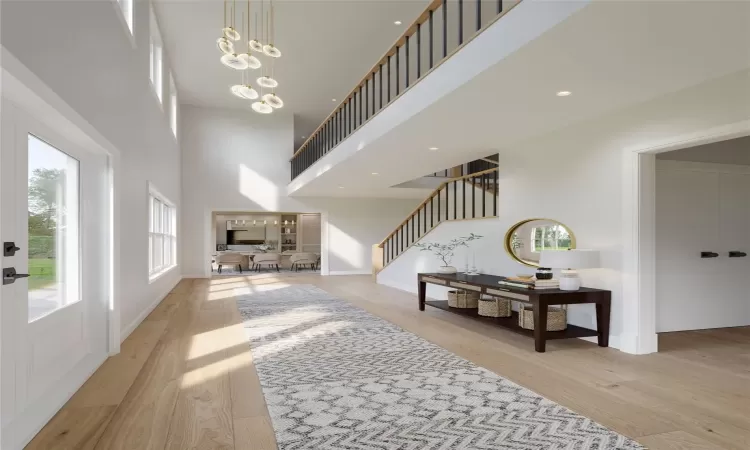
494 307
463 299
557 318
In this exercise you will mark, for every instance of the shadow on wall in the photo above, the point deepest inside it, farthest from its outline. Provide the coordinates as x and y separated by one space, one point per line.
258 189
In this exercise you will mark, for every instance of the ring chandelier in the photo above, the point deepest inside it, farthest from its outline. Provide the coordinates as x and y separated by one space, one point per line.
265 102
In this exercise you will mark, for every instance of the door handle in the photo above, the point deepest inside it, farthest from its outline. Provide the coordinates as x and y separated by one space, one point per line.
10 249
10 275
709 255
736 254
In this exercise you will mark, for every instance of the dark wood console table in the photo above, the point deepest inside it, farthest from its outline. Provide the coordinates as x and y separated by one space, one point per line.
539 298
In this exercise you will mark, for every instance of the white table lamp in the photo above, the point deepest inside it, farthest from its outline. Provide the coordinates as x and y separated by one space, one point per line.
569 260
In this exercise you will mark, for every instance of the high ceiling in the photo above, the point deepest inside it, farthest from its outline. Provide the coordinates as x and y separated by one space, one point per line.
327 47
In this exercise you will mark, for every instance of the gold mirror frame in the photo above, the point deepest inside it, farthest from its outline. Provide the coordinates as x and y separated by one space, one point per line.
511 230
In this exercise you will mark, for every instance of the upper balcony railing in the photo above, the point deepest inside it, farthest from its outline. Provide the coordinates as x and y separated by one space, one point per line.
437 34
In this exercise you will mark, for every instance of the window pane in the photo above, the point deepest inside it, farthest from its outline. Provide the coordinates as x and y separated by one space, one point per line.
173 249
156 214
158 262
53 229
151 225
150 253
167 255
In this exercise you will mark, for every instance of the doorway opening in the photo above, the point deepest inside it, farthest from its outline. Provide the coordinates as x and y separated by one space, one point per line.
702 245
250 243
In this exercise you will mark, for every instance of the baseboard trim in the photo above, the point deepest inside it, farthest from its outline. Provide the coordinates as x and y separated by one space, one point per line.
142 316
350 272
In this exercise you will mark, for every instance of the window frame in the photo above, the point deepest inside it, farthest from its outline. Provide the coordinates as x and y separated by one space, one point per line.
126 9
156 57
162 234
173 105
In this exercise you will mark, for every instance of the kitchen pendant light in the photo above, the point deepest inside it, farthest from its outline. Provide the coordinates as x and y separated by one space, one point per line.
228 31
262 107
273 100
234 61
231 33
252 61
225 45
236 91
255 46
267 82
248 92
269 49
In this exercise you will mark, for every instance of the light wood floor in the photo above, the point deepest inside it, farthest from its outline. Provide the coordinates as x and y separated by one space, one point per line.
185 378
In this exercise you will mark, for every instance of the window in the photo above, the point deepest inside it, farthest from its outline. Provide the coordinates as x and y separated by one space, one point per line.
157 57
162 238
172 105
126 6
54 241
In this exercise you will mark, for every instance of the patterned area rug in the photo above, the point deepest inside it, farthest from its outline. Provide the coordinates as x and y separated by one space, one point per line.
337 377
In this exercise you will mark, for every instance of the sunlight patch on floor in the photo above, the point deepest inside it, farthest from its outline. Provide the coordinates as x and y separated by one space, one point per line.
214 370
298 339
226 286
213 341
229 293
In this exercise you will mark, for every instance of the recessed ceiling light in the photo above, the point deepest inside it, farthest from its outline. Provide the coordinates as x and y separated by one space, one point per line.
333 99
375 173
563 93
433 148
341 187
304 137
398 22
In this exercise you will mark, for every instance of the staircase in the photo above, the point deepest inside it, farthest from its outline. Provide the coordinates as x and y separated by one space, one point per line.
466 197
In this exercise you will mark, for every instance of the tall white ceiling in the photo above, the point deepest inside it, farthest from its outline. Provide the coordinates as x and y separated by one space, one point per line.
327 47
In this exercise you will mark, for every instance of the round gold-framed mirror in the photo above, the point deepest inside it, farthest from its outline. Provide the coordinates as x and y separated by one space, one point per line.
525 240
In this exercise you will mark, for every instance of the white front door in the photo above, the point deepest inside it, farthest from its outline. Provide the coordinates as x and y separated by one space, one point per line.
54 200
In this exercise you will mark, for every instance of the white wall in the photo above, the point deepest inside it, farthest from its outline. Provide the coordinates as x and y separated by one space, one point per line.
402 272
576 175
82 51
701 207
236 160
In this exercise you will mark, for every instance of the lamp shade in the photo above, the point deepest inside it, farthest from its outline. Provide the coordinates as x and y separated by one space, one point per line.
569 259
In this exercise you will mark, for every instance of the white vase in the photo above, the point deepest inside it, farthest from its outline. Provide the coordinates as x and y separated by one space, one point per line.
446 269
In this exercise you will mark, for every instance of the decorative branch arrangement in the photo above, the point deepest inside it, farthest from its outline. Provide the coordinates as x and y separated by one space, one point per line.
445 251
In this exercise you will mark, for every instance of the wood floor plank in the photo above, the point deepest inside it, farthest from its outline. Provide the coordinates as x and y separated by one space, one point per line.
677 440
254 433
73 429
247 396
155 390
202 417
688 417
111 382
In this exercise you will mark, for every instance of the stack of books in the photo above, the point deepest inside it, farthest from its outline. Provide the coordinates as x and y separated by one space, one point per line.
530 283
